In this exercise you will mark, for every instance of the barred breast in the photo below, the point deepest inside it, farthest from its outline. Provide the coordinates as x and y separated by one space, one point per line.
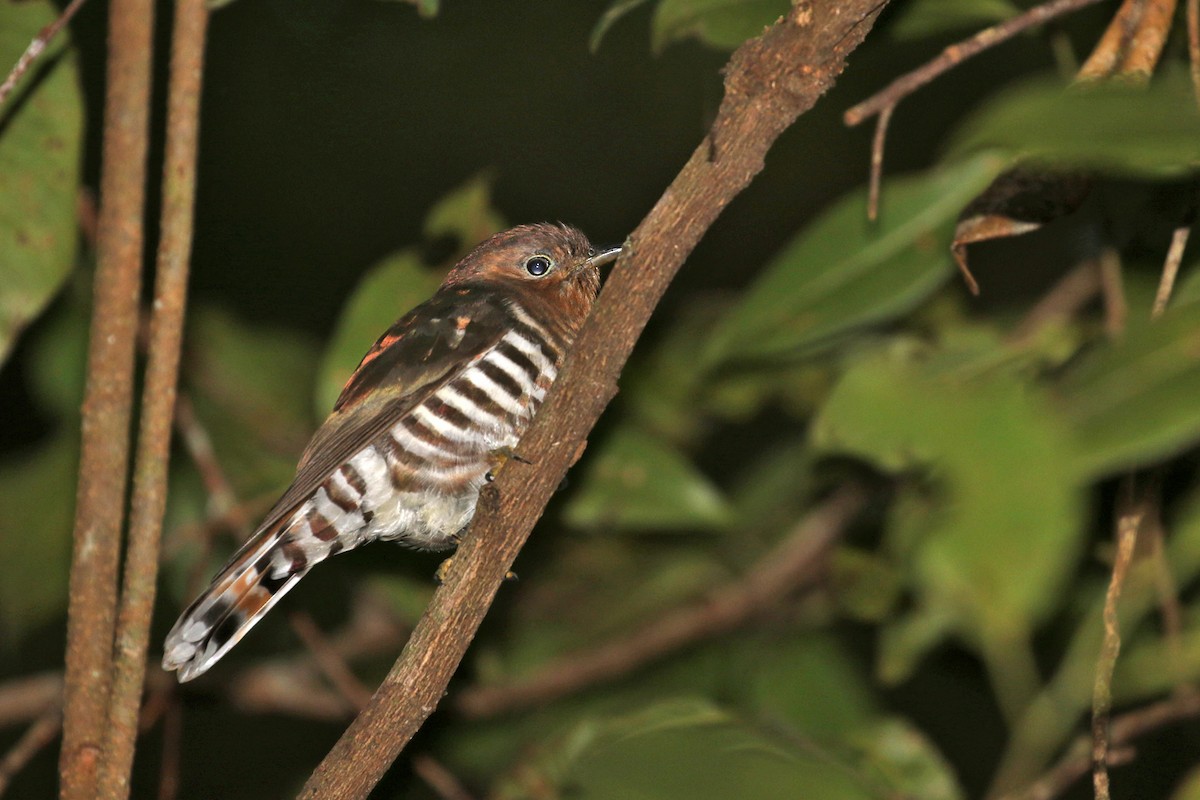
417 483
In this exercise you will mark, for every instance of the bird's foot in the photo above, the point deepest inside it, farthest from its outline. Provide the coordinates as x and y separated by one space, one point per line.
443 571
498 458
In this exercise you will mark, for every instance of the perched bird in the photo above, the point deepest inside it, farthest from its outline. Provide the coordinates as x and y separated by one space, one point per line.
436 405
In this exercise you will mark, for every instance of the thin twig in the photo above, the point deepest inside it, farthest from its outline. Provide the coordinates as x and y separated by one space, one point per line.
23 699
36 48
786 568
876 180
1125 728
443 782
329 661
1131 513
769 82
108 399
38 736
955 54
172 750
1065 298
158 403
1166 284
222 499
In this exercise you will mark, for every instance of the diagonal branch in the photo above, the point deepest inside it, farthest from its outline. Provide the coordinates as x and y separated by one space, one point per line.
769 82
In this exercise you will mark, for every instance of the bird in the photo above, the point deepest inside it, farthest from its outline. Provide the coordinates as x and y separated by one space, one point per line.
434 408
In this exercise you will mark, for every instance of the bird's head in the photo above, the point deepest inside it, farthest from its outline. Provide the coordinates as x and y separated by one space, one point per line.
554 262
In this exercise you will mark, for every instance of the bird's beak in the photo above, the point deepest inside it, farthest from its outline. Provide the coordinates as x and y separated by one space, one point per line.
606 256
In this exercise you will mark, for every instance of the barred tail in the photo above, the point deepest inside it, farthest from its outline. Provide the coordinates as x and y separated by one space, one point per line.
257 577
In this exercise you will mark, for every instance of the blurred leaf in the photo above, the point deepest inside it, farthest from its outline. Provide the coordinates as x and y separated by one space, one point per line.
906 761
682 749
1152 666
636 482
58 363
865 586
406 596
922 18
842 272
1134 402
810 683
600 588
252 387
41 130
1151 132
388 290
723 24
775 490
1189 787
617 10
37 493
1007 494
467 214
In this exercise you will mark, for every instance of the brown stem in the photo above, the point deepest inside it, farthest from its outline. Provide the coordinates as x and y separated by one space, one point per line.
876 179
36 48
1131 513
330 661
1166 284
769 81
794 563
1132 43
158 402
957 53
22 699
1125 728
108 396
443 782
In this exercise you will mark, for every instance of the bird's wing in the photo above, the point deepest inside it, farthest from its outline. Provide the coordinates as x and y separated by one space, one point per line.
414 358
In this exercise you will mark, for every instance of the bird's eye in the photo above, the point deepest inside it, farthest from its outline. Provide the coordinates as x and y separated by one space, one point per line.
537 266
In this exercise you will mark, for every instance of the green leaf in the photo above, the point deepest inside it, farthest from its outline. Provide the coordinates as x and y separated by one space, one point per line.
1189 787
1134 402
617 10
842 272
37 493
1150 132
252 386
466 213
390 289
58 363
921 18
724 24
682 748
906 761
808 682
1001 488
41 130
636 482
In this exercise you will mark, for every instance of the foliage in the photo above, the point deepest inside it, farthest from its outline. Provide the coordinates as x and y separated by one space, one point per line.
952 632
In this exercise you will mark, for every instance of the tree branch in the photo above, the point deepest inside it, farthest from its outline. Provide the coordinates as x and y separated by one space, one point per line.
36 48
108 397
769 82
158 403
787 567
